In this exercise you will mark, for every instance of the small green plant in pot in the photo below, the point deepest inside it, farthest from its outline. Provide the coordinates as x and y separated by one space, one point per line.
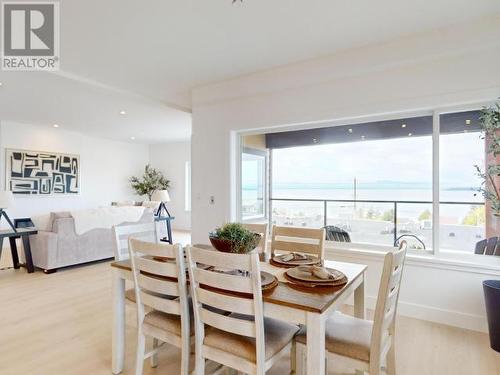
234 238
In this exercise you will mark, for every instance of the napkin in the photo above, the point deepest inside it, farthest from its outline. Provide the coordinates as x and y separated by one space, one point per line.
293 256
321 273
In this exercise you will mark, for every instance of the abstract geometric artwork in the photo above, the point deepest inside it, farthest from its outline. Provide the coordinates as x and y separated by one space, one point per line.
42 173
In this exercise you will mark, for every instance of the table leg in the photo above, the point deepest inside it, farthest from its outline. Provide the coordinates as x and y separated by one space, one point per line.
13 251
118 339
169 232
359 300
315 344
27 254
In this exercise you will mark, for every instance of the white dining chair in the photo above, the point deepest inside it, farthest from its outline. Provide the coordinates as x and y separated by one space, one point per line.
244 340
363 344
301 240
121 235
261 229
160 284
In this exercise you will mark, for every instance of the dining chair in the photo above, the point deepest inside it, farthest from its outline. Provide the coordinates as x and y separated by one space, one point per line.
121 235
302 240
160 284
364 344
244 340
261 229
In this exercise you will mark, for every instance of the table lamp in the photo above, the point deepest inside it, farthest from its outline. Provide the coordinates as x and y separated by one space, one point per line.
6 202
161 196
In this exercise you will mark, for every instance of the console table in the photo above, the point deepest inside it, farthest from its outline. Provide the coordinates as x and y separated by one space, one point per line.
24 234
167 220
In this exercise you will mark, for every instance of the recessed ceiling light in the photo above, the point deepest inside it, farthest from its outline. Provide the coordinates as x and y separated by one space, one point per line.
410 134
132 138
123 113
55 125
403 125
468 122
1 84
350 130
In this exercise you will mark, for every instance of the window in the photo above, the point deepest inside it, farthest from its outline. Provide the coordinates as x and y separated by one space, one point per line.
374 181
253 177
187 186
461 210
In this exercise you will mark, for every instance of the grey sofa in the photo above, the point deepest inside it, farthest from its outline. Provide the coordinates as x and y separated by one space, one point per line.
59 246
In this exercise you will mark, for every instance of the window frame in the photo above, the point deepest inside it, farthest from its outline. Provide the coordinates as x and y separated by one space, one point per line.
435 112
265 182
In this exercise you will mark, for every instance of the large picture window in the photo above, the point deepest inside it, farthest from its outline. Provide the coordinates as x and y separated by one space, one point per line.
378 183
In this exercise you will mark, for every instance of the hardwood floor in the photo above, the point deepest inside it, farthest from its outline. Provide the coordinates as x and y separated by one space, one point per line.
61 324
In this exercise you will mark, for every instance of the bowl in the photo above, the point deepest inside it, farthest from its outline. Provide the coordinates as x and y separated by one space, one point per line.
227 246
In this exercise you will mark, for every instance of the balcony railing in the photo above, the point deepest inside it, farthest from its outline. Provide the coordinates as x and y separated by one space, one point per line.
393 217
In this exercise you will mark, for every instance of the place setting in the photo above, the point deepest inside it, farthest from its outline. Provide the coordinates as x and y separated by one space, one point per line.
315 277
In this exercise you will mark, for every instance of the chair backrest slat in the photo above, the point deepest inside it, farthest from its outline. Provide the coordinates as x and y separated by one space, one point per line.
227 323
225 303
121 234
228 261
387 300
162 304
251 321
158 285
221 281
304 240
159 281
158 268
261 229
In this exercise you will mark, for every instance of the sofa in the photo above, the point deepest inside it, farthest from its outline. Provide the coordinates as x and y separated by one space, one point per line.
58 243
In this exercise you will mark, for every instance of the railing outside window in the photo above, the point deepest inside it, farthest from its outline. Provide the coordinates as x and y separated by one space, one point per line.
383 222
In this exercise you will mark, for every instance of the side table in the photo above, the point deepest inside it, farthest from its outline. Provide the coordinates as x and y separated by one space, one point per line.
24 234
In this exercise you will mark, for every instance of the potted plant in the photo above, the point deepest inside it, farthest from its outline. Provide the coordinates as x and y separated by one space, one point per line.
152 180
490 124
234 238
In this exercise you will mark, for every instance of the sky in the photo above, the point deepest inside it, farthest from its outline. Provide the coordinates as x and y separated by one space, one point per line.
407 160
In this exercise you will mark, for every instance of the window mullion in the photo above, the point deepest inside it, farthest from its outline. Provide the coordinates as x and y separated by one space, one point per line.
435 182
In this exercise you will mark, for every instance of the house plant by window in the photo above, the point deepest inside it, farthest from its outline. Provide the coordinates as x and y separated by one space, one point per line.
490 124
234 238
152 180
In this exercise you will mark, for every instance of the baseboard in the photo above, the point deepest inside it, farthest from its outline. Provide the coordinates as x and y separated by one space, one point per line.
436 315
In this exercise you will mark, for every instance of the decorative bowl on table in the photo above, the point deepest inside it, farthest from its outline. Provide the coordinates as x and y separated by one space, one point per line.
234 238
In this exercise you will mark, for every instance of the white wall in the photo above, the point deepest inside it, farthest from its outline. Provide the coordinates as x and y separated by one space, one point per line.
106 166
439 68
170 158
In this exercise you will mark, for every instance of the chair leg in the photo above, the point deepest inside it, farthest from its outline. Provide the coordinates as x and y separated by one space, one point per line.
185 353
391 360
154 357
199 363
300 359
140 351
293 358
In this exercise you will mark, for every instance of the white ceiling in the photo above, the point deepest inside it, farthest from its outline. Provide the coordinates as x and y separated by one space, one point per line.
160 49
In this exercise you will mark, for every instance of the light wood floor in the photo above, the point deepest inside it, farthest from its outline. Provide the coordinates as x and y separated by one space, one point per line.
61 324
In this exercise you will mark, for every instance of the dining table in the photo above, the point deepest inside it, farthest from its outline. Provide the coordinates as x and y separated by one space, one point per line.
310 307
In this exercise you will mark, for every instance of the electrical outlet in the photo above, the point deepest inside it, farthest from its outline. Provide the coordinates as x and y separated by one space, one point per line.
212 199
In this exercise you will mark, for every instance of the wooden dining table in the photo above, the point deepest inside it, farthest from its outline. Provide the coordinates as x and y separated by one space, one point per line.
286 302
